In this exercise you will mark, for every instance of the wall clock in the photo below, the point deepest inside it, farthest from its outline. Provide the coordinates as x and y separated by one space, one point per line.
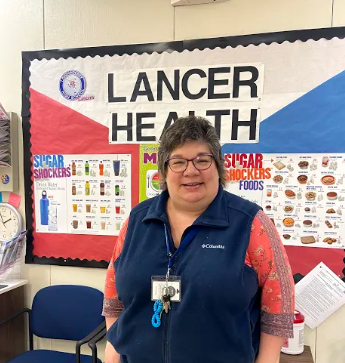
10 222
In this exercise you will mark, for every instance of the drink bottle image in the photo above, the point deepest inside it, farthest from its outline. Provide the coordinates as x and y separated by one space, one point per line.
117 190
116 166
102 188
101 168
44 208
87 168
74 168
87 188
74 189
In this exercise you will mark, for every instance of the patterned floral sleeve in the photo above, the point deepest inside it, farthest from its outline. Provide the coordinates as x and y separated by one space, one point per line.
267 256
112 307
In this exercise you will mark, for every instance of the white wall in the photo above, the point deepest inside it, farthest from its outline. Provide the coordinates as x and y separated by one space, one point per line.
46 24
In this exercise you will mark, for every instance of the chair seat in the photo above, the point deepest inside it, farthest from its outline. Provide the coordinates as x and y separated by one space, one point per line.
50 356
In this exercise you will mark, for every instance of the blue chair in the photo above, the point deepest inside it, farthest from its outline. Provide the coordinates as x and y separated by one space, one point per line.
67 312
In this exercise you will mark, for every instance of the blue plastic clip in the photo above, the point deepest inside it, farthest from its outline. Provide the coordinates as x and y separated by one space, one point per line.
156 318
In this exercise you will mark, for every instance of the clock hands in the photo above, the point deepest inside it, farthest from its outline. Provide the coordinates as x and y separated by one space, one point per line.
2 221
7 221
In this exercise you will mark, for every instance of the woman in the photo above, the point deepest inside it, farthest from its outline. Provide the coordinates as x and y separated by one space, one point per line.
216 253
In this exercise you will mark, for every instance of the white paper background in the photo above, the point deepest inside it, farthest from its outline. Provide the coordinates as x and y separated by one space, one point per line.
285 74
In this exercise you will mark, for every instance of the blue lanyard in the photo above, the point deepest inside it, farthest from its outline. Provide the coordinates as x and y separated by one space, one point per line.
184 243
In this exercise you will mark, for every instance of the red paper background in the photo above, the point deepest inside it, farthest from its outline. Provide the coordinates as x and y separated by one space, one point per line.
57 129
304 259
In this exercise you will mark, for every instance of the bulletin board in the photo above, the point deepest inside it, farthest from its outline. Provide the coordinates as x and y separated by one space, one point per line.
92 118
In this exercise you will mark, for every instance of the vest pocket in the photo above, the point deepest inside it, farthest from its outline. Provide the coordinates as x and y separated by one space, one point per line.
251 270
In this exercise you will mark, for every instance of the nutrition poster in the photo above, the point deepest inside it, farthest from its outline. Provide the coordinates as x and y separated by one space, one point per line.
117 98
149 184
302 194
82 194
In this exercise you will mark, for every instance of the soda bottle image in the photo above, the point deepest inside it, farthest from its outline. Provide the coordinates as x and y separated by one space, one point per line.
101 168
102 188
87 168
74 168
117 190
44 208
87 188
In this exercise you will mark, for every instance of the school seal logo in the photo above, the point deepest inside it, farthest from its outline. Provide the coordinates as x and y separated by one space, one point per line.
72 85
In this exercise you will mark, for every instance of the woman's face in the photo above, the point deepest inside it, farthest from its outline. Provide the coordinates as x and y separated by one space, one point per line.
192 185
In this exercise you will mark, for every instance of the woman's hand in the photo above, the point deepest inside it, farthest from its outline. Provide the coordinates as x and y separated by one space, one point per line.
111 355
269 349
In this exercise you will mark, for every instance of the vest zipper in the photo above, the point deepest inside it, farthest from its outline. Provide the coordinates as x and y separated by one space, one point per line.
166 338
167 320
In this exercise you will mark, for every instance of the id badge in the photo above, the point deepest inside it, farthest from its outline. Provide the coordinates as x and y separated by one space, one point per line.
159 283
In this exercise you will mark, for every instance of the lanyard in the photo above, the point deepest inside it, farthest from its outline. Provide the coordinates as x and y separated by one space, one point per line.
184 243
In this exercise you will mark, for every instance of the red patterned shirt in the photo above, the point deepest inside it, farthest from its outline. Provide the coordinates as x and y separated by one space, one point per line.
265 254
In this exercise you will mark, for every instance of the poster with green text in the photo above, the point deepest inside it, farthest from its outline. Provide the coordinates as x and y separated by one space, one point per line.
149 183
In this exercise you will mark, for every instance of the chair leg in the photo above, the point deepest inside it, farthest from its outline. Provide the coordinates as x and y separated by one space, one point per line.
31 336
31 341
94 354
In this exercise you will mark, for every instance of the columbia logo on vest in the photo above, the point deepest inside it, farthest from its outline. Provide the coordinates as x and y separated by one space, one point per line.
220 247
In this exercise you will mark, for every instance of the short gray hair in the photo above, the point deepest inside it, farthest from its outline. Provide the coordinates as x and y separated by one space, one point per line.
190 128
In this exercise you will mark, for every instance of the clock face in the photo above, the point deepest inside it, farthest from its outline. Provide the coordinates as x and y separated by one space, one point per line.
10 222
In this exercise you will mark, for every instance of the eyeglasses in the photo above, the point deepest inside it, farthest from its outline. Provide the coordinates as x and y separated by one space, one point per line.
200 162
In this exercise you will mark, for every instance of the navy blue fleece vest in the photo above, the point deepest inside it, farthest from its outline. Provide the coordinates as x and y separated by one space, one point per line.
218 318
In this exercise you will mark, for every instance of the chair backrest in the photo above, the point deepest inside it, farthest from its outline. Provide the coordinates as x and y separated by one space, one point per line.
68 312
